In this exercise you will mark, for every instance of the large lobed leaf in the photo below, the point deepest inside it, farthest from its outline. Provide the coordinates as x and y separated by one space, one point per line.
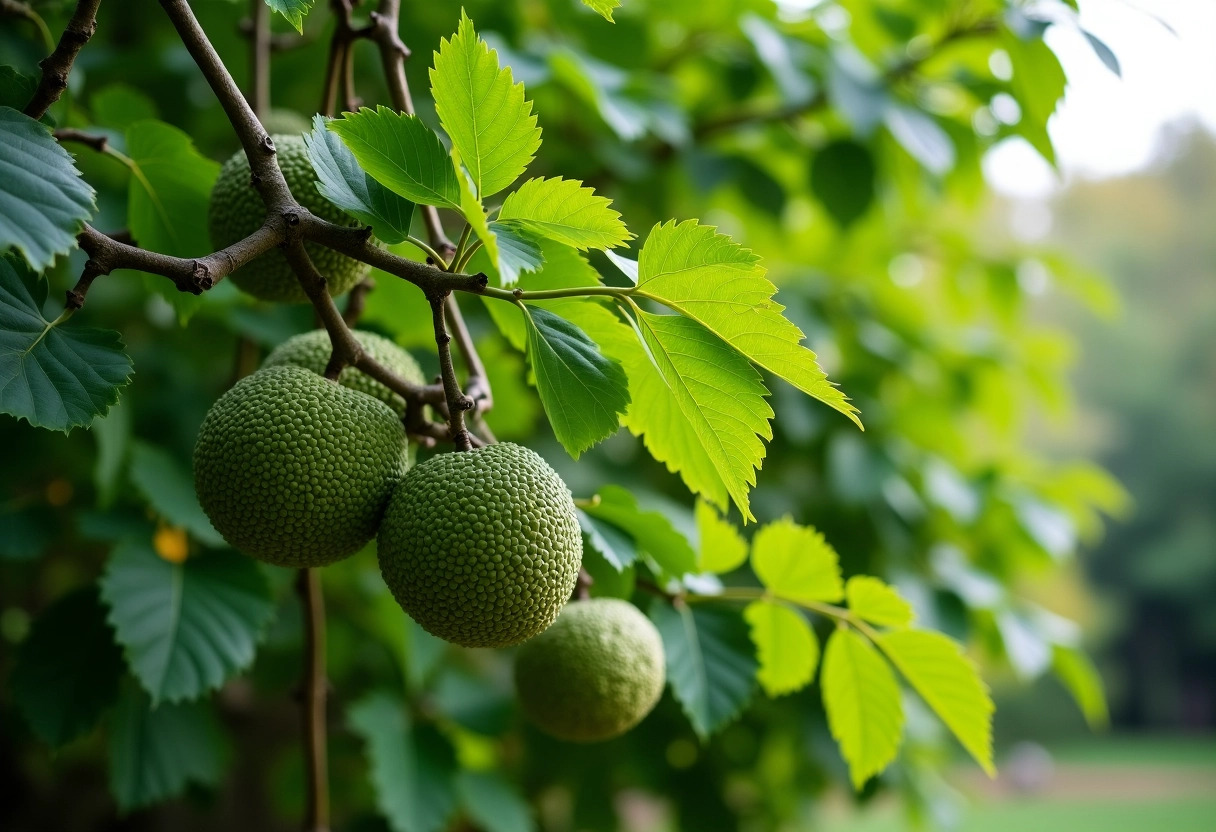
861 698
713 280
43 200
483 111
565 211
186 627
711 665
53 374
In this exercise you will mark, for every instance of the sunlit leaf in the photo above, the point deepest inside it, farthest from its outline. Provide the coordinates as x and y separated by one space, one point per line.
293 10
785 645
861 698
603 7
723 549
877 602
796 563
1075 670
565 211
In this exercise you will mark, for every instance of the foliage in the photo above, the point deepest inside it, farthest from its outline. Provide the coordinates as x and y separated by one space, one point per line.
814 145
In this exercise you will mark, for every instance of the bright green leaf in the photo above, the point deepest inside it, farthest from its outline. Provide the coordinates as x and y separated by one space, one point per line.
785 645
185 627
563 268
713 280
651 530
711 664
474 212
1038 84
413 767
44 202
293 10
723 549
53 374
945 678
169 488
861 698
878 603
156 751
796 562
67 669
518 251
493 803
344 183
565 211
483 111
402 154
603 7
1075 670
583 392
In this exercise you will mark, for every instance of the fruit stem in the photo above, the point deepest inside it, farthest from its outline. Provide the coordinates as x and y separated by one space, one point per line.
315 686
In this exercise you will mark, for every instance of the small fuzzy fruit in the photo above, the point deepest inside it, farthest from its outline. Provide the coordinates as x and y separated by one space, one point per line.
296 470
311 350
594 674
481 547
236 211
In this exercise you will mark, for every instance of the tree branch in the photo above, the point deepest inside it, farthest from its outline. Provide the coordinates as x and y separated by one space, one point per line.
96 141
315 689
457 402
259 58
57 67
356 299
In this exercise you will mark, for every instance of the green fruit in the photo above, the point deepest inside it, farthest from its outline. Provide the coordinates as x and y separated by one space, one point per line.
237 211
481 547
311 351
594 674
289 122
296 470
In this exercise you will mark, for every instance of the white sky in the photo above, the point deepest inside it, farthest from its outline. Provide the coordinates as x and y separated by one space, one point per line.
1108 126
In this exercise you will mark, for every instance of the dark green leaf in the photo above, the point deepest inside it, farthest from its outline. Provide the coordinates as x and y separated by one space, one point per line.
615 545
52 374
118 106
112 433
494 804
186 627
156 751
43 200
25 533
711 663
842 178
652 531
518 250
583 391
16 88
168 487
343 182
67 669
413 767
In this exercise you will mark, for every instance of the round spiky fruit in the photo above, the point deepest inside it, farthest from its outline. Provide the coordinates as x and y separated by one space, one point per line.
311 350
296 470
594 674
481 547
236 211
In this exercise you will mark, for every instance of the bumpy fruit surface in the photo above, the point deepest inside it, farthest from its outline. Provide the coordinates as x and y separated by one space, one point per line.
594 674
296 470
311 350
481 547
236 211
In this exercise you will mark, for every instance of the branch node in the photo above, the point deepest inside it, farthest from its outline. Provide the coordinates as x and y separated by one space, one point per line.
518 293
483 279
291 218
267 144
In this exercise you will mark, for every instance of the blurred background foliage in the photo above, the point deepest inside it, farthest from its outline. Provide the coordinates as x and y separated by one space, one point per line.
841 142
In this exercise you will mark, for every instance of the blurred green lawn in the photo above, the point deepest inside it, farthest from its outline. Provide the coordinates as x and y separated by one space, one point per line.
1115 784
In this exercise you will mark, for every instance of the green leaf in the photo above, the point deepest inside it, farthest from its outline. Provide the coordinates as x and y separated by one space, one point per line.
921 136
67 669
344 183
170 190
412 766
651 530
708 277
169 489
16 88
711 664
1104 52
402 154
861 698
1038 84
878 603
614 544
796 562
494 804
565 211
607 580
723 549
785 645
945 678
720 395
293 10
25 533
483 111
583 392
185 627
53 374
842 178
563 268
44 202
474 212
112 434
603 7
518 251
1075 670
118 106
155 751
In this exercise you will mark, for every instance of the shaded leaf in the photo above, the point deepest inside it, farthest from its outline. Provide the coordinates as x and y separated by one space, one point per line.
16 88
711 664
842 179
796 562
565 211
785 646
118 106
878 603
613 544
112 433
723 549
493 803
1075 670
44 202
518 251
185 627
651 530
170 490
67 669
1104 52
861 698
53 374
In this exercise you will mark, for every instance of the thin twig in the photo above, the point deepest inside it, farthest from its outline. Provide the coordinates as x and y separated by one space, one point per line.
57 67
315 685
356 300
259 58
457 402
96 141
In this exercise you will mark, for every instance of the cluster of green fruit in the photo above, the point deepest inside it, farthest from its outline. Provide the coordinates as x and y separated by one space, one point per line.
482 548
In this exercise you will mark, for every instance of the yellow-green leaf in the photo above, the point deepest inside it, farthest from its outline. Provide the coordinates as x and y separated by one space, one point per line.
796 563
877 602
785 645
723 549
563 210
861 698
1075 670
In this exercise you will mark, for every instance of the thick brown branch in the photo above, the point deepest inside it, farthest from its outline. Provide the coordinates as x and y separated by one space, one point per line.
57 66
